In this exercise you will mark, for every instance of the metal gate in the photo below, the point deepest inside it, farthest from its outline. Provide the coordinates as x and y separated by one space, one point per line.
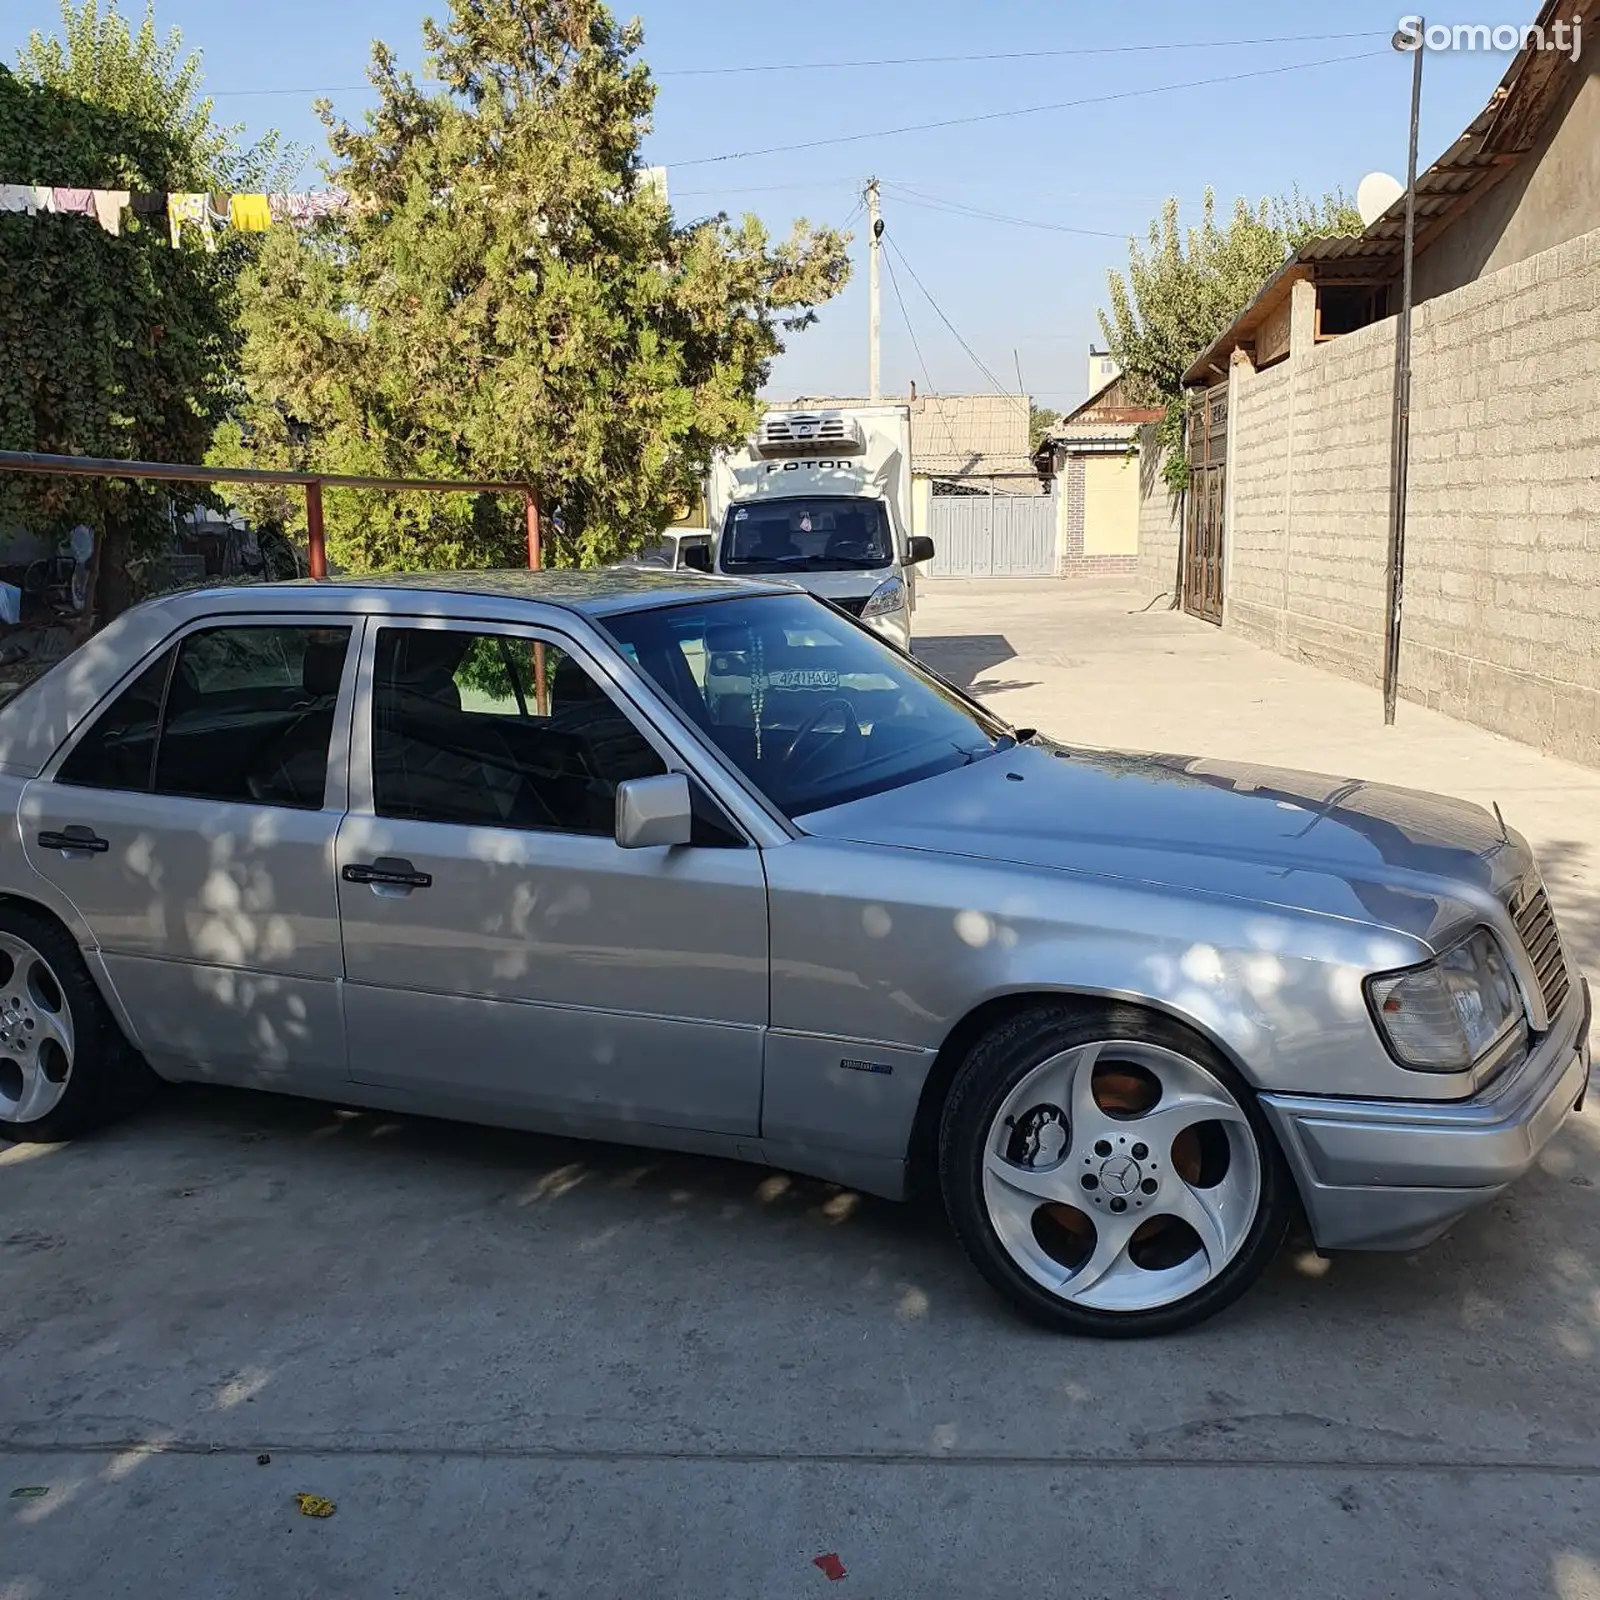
993 535
1203 517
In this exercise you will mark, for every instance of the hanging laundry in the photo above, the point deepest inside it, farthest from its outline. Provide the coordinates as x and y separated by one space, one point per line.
302 210
108 205
72 202
250 213
218 209
191 209
148 205
28 197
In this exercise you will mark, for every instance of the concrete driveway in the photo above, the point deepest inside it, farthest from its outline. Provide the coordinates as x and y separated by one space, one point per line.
531 1367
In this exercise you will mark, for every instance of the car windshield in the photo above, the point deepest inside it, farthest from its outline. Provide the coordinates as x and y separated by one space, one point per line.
810 706
819 534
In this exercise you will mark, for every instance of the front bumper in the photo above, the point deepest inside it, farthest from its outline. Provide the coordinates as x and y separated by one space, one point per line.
1394 1174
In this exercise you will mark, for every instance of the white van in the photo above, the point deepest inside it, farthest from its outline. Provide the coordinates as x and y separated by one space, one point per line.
823 500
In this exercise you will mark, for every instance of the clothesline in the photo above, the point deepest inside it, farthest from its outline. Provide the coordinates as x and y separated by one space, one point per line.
246 213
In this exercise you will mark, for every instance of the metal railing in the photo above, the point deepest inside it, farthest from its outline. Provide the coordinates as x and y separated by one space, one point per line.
312 482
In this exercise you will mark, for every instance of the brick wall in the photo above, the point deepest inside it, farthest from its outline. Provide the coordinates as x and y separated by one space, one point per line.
1502 599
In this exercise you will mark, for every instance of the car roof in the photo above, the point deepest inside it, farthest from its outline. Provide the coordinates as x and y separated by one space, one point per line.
34 723
600 592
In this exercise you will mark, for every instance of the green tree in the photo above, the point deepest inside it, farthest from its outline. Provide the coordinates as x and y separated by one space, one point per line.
507 296
114 346
1184 286
1041 419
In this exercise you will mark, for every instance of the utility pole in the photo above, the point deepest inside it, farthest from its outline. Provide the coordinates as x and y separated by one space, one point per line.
874 248
1400 451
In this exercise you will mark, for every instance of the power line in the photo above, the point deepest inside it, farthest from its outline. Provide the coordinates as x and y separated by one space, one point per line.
927 377
905 316
938 310
954 208
1022 111
772 188
909 61
1017 55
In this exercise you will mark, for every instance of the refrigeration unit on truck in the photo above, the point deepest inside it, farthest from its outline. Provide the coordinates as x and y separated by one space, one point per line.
823 499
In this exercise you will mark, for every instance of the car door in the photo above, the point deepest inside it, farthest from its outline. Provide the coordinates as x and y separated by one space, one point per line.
191 822
501 950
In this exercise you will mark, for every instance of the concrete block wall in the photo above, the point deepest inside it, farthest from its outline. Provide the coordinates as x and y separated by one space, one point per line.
1310 507
1159 527
1259 471
1502 598
1502 601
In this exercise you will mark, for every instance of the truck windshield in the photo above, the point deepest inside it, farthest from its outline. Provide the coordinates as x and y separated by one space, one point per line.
813 708
828 533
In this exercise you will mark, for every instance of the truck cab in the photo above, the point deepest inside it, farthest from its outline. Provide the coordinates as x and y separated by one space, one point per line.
821 499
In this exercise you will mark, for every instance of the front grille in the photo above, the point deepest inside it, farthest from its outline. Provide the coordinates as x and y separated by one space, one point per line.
1536 926
854 607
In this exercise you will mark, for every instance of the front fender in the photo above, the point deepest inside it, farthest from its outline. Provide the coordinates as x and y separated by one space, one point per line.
897 946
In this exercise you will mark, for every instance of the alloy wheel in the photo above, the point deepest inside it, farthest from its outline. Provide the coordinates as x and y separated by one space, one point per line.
36 1033
1121 1176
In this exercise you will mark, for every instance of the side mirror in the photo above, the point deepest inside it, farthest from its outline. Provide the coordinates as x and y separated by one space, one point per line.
654 811
696 557
919 550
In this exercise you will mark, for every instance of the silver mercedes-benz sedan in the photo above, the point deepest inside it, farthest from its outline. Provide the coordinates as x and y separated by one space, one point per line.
707 865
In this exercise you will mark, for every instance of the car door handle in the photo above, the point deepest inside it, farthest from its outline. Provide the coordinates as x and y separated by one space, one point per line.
74 840
387 872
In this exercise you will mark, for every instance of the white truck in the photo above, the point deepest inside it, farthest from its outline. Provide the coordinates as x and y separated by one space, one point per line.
823 499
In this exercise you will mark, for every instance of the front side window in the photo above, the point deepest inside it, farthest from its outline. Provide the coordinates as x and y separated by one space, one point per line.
823 533
233 714
489 730
810 706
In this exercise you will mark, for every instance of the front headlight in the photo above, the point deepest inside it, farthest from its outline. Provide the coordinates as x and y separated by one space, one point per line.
1447 1015
890 595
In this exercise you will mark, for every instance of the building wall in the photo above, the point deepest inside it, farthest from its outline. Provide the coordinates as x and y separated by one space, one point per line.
1551 195
921 495
1159 524
1097 526
1310 500
1110 506
1502 593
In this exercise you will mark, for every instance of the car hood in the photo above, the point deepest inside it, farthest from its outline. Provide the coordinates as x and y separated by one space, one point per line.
1395 857
855 583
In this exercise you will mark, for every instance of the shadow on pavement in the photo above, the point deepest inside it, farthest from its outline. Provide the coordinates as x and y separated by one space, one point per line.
963 658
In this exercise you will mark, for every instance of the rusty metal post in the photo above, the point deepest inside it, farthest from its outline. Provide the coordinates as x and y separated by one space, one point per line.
317 550
533 531
541 689
1400 446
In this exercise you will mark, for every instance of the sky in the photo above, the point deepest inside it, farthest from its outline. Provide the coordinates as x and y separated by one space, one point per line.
1164 99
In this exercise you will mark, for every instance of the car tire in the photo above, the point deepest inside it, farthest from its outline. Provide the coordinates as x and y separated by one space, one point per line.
1030 1194
64 1065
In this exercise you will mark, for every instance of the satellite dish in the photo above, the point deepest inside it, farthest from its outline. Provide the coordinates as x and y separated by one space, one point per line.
1375 194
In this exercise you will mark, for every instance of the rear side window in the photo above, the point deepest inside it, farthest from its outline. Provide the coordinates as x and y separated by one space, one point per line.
119 751
230 714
